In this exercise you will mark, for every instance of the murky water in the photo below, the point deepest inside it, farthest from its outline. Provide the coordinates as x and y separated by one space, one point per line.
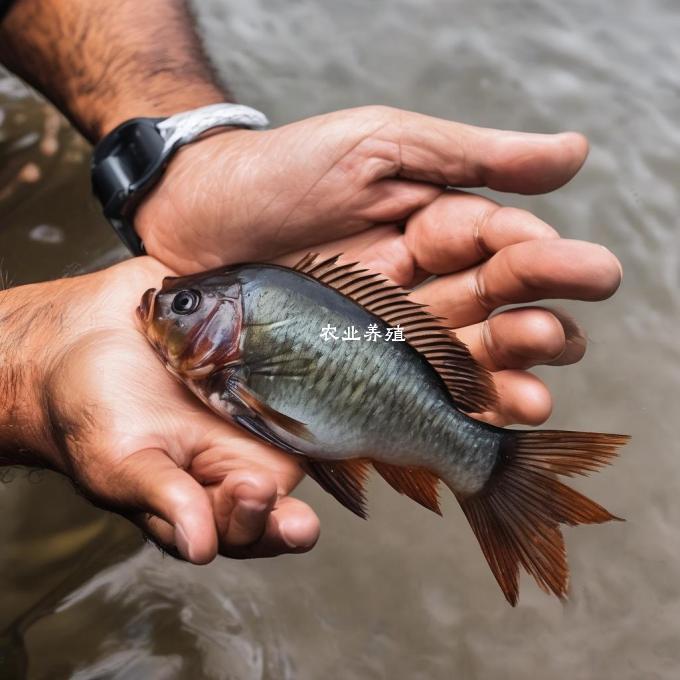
406 595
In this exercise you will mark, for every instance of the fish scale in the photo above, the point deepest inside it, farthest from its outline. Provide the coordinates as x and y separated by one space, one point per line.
385 436
379 361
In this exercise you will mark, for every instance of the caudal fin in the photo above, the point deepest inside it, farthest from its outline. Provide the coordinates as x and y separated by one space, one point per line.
516 516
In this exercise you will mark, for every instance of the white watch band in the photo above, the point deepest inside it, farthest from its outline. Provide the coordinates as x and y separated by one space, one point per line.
185 127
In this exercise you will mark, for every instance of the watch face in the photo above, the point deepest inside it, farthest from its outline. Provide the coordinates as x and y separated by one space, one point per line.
126 157
125 166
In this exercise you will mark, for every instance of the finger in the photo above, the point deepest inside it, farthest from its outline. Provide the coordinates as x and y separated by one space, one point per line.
242 503
518 338
458 230
292 527
162 533
448 153
520 273
392 200
218 459
576 340
522 398
150 482
253 522
381 249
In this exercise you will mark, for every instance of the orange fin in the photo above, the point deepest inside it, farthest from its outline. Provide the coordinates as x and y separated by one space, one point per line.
270 415
516 516
343 479
415 482
470 384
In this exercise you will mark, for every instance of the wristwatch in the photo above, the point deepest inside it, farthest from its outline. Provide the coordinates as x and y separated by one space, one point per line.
130 160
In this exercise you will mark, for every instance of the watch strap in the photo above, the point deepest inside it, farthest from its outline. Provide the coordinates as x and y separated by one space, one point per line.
184 128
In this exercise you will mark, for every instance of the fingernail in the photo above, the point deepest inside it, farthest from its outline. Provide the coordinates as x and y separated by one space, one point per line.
251 507
182 543
286 538
249 515
287 534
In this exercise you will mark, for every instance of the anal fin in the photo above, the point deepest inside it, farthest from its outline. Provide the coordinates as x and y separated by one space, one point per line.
343 479
415 482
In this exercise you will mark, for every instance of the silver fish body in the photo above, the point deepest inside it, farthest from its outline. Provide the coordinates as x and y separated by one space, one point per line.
361 398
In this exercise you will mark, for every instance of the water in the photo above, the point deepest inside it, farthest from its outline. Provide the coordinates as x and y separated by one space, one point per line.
406 595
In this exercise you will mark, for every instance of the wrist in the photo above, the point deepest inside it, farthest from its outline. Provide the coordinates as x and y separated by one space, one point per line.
46 400
174 205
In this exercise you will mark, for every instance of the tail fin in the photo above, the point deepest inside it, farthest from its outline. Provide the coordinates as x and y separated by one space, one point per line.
516 516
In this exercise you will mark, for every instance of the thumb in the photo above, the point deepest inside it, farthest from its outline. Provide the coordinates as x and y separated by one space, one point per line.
448 153
180 512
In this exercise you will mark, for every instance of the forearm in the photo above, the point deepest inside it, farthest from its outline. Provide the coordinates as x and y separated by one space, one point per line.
29 324
102 62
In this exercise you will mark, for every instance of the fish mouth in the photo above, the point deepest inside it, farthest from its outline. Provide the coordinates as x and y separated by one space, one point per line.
145 309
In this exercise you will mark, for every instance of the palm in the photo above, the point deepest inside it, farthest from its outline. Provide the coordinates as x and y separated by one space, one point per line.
142 429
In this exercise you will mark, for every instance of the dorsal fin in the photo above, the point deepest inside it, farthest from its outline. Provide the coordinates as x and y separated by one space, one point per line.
470 384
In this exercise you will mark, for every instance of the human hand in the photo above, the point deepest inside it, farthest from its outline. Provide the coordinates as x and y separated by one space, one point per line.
93 401
370 183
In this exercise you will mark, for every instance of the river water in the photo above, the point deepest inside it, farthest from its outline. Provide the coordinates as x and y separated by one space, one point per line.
406 595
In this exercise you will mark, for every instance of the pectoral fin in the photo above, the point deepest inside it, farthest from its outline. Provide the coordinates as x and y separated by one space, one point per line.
259 429
265 413
282 366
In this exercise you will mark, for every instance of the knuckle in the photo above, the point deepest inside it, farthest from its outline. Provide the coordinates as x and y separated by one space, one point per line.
529 227
480 292
488 342
377 112
486 213
542 330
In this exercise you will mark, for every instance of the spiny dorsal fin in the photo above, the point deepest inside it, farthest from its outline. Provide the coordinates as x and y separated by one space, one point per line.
343 479
470 384
415 482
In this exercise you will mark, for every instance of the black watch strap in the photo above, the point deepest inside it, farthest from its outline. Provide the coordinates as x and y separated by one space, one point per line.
128 162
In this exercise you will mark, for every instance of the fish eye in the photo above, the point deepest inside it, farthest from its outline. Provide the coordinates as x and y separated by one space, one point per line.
186 302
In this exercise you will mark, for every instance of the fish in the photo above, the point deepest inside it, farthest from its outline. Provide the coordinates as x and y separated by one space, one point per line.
261 345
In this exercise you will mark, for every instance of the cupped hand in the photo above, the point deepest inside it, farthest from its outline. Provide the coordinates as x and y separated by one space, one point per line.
376 184
137 442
